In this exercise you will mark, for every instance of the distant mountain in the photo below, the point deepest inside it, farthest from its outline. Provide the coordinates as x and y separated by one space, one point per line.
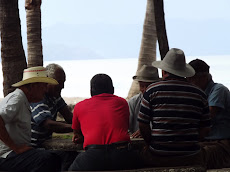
96 41
103 41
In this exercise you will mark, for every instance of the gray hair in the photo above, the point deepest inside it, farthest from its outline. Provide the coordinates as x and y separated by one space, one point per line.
51 69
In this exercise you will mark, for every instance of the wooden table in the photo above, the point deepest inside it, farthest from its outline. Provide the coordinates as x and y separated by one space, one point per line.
137 143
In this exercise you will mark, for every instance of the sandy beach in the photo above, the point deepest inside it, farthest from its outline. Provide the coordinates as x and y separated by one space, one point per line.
73 100
69 100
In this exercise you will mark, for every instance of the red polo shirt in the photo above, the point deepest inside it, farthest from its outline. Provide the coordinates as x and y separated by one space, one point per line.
103 119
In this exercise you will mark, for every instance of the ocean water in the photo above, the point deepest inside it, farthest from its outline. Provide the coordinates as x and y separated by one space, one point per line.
79 73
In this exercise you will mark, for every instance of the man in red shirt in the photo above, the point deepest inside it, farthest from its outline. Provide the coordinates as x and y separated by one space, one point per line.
102 122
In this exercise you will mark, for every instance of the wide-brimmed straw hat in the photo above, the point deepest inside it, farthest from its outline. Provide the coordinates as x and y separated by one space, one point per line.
35 74
147 74
174 63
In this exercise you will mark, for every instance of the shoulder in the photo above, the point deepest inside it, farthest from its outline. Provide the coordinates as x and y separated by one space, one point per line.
42 103
135 98
117 98
218 86
83 103
218 91
16 98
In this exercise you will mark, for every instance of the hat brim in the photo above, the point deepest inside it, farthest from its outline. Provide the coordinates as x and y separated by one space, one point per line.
136 78
187 71
36 79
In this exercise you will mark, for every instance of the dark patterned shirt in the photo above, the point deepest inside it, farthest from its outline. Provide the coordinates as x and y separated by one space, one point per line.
177 111
46 109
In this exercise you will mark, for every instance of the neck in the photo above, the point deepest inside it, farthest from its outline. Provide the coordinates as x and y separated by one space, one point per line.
26 91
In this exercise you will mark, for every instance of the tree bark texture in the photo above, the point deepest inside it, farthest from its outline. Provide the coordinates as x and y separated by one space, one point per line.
34 40
12 52
147 52
161 28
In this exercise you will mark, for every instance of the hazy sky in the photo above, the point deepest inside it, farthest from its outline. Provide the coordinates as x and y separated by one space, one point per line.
92 29
113 28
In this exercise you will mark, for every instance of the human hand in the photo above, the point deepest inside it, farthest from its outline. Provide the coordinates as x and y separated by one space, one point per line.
21 148
77 139
136 134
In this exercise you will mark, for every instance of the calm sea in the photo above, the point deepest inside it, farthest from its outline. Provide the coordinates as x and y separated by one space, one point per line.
79 73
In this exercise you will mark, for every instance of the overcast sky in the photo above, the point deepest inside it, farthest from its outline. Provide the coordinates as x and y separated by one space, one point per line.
113 28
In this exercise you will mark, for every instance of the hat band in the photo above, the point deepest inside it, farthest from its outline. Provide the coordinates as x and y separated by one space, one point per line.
34 70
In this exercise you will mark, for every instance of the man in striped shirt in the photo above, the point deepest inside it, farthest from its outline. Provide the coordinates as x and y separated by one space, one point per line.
44 113
179 115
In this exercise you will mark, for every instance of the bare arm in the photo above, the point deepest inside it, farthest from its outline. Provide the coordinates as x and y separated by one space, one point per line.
57 127
4 136
136 134
77 137
67 114
203 132
214 110
145 132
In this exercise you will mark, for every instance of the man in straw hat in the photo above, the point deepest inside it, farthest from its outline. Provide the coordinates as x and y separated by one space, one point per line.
217 144
145 76
179 114
16 154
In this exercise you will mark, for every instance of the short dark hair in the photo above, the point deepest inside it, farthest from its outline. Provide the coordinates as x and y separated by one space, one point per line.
199 66
101 83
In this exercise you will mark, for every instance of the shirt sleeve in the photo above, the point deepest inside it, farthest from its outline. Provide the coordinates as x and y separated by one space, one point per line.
10 110
145 110
131 104
40 112
218 96
61 102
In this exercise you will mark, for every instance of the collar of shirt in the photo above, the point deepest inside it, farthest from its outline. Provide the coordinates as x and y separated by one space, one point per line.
209 87
25 98
104 95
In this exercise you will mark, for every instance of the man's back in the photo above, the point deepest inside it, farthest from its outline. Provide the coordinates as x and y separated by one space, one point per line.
177 110
103 119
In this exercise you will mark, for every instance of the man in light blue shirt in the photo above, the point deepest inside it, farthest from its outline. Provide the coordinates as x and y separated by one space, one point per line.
217 143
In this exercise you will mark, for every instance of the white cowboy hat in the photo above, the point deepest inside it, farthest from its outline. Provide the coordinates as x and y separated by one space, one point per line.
35 74
146 74
174 63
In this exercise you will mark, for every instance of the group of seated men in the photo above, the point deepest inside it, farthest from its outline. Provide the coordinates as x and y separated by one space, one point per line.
182 117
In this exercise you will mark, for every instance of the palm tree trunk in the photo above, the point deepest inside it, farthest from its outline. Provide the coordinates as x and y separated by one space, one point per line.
148 44
12 52
160 27
34 41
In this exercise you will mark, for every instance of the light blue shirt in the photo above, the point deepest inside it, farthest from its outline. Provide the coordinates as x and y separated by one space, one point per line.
219 96
134 108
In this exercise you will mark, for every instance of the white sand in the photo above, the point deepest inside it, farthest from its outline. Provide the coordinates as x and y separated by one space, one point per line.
73 100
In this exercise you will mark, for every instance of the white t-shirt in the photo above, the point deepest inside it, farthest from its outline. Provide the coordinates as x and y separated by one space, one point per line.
15 112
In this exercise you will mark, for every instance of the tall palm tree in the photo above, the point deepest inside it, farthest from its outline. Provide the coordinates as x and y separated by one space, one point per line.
12 52
34 41
160 27
147 52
